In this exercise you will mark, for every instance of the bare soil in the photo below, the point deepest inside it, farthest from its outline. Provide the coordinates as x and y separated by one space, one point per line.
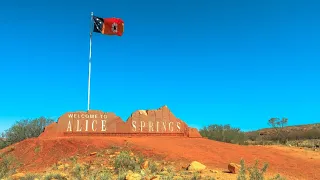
38 154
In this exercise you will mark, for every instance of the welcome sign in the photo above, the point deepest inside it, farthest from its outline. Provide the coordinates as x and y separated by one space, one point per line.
142 122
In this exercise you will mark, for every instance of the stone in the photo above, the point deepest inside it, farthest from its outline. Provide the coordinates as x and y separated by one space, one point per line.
196 166
234 168
18 176
145 165
133 176
61 167
93 153
110 168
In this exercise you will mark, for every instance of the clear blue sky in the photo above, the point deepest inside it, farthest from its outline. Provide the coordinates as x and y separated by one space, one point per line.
223 62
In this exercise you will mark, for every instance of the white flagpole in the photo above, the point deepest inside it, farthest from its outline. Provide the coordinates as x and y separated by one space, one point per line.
89 76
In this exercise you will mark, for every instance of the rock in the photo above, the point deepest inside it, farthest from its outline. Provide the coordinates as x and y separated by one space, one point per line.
110 167
112 156
93 153
133 176
196 166
145 165
234 168
131 154
18 176
117 153
61 167
66 165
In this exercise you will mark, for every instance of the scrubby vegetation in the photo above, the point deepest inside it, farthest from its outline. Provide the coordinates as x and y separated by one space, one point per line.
224 133
23 129
8 165
302 136
254 173
123 164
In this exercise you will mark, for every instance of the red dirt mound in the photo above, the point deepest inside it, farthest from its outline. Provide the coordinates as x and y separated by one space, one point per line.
290 162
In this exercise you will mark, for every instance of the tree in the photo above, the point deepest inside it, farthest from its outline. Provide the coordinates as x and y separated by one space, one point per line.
24 129
278 124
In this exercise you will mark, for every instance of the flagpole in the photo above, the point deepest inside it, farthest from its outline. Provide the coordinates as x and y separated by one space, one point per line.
89 74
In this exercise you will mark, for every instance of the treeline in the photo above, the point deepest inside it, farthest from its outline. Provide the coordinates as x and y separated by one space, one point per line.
23 129
224 133
277 134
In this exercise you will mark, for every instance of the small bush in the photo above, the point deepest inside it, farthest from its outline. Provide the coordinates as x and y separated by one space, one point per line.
30 177
74 160
153 167
102 174
37 149
77 172
167 177
195 176
256 173
6 166
56 176
124 162
3 144
242 171
122 174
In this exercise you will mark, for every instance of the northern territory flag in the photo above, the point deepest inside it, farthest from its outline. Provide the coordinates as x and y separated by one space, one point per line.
108 26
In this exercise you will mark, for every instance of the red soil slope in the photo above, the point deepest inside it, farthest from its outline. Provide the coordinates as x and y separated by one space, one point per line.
291 162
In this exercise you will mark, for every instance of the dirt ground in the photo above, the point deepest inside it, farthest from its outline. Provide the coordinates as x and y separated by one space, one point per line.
293 163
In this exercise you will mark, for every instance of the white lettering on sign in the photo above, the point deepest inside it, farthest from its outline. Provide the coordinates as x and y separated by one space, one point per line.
83 121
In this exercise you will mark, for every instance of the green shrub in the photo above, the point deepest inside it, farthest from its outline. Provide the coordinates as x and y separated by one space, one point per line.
255 173
153 167
6 166
30 177
196 176
122 174
125 162
24 129
56 176
102 174
77 172
3 144
242 171
224 133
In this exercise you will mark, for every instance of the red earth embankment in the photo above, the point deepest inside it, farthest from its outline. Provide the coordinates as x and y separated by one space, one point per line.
290 162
